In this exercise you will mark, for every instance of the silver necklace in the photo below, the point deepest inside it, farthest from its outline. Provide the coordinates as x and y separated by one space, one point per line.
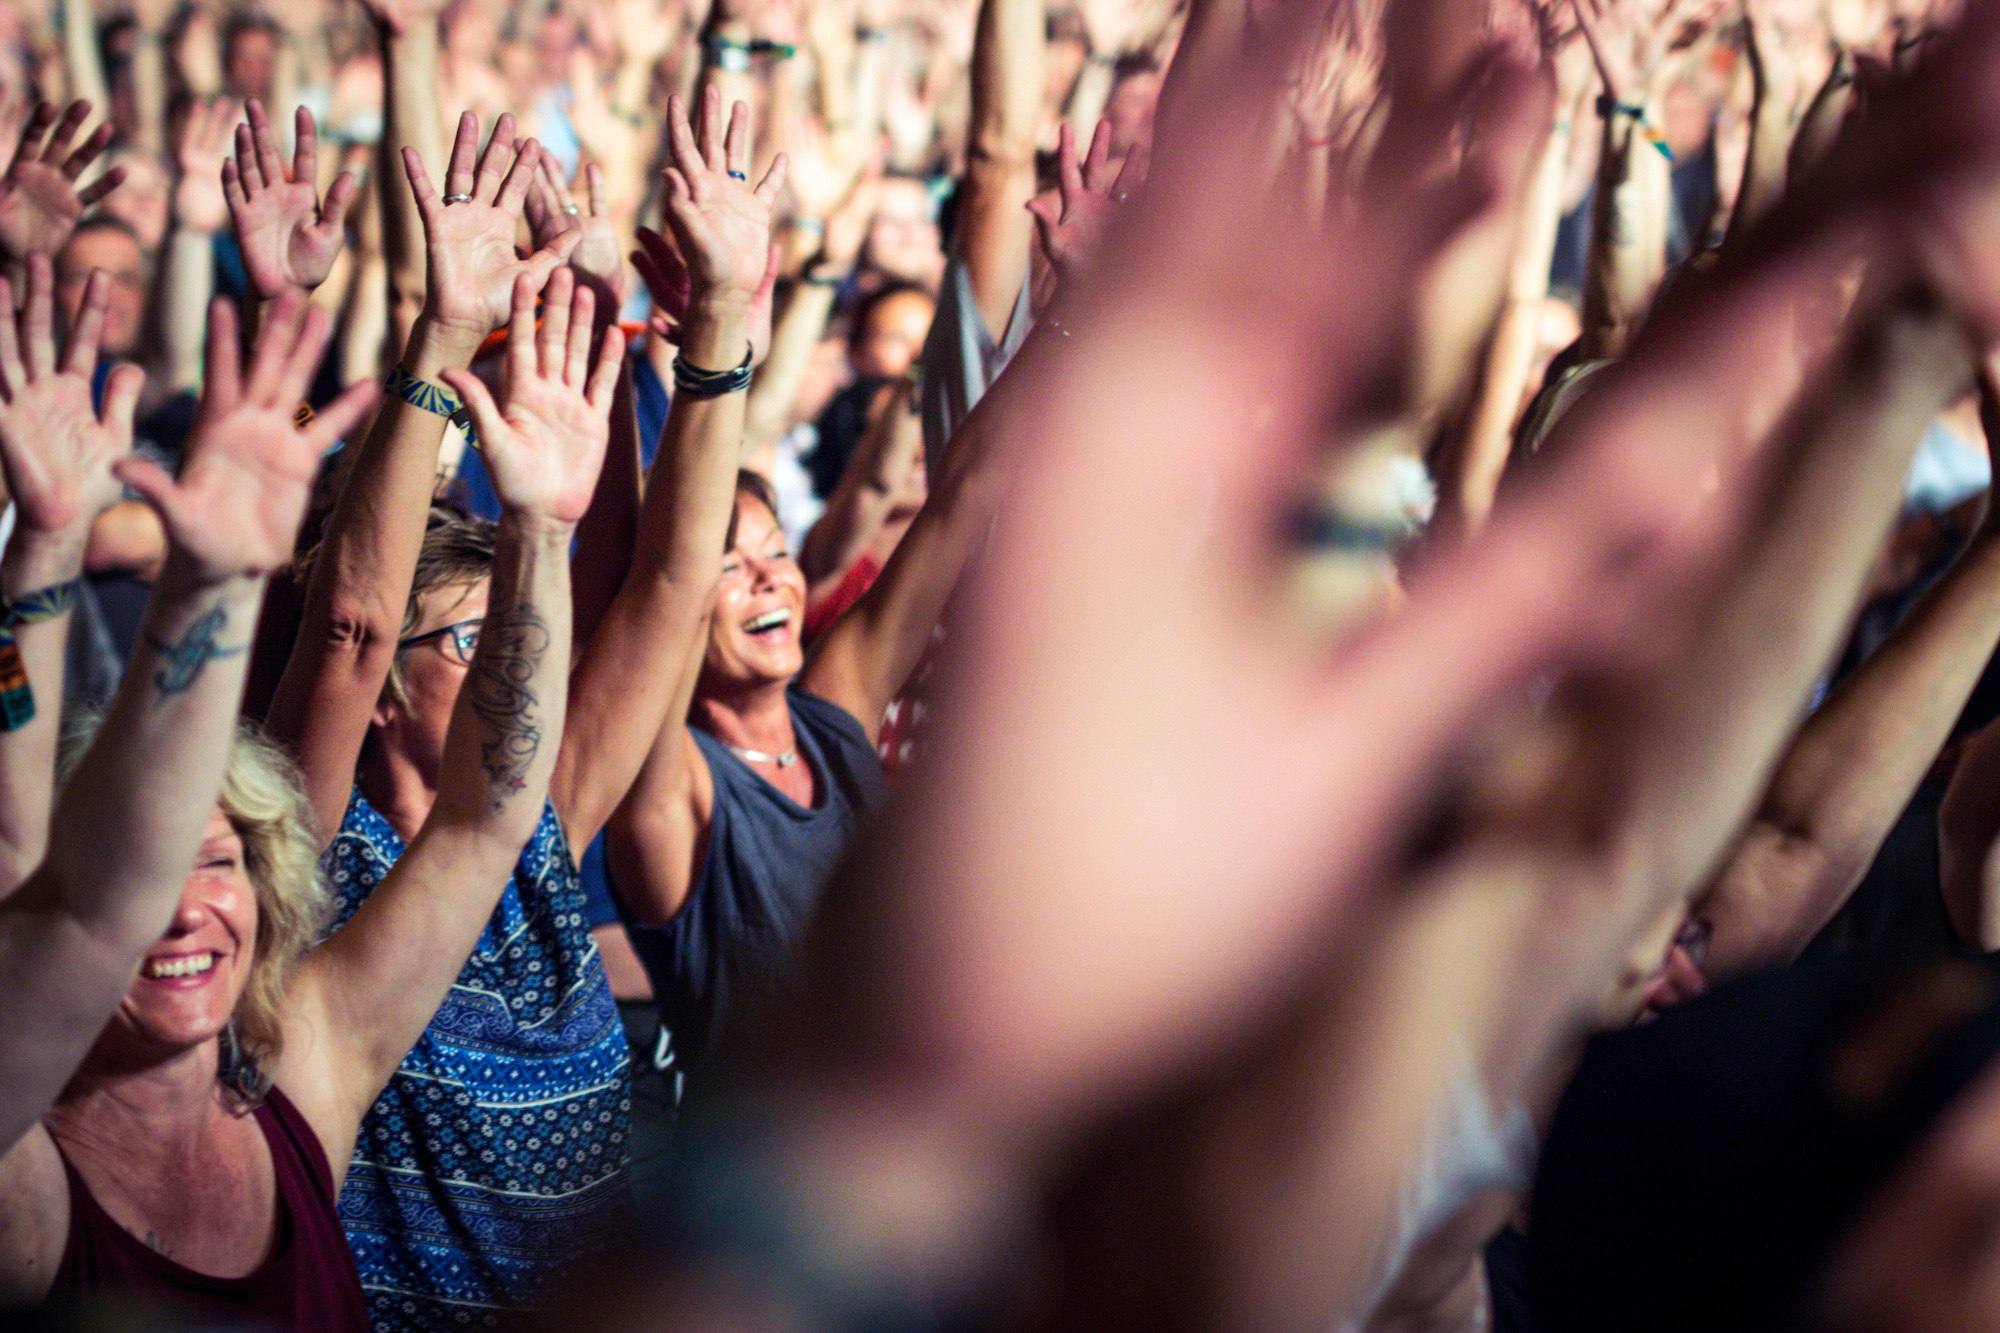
785 760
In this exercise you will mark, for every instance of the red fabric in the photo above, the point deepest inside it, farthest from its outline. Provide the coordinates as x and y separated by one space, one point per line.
900 736
821 614
308 1284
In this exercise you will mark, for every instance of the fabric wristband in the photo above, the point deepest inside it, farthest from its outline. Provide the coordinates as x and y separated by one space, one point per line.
431 398
17 694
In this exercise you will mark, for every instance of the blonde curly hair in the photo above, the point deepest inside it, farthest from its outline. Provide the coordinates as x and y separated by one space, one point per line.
265 802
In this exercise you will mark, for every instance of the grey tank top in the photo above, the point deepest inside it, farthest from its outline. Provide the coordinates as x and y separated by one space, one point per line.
767 859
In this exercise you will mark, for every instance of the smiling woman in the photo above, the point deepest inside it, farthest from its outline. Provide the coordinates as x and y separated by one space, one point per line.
252 907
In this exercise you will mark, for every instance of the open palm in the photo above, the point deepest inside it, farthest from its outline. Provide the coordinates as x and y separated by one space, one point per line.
39 200
236 507
288 238
722 225
471 263
58 450
544 442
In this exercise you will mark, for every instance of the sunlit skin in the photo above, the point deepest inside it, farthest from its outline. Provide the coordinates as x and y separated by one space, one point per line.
164 1017
119 256
759 576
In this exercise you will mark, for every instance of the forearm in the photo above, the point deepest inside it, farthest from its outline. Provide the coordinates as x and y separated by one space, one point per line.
187 280
634 674
1855 763
1510 356
1763 181
82 65
411 119
861 503
1740 692
360 582
149 90
722 70
154 768
34 561
793 342
1627 236
995 228
1824 115
610 527
498 756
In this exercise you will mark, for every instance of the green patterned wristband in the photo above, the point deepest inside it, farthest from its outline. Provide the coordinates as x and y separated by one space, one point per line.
431 398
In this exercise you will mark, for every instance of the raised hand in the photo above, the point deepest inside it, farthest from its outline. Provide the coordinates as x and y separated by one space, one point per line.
722 226
39 201
552 211
236 508
666 278
288 236
58 448
1070 220
202 153
471 267
544 441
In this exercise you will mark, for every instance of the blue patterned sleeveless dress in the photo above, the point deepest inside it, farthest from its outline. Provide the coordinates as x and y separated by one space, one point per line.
495 1159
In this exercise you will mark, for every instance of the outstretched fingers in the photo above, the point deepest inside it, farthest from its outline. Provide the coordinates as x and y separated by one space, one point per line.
554 333
102 186
774 180
582 313
604 378
495 161
86 153
80 353
487 420
12 374
460 173
305 152
269 165
222 383
521 330
343 414
520 176
66 129
31 134
38 337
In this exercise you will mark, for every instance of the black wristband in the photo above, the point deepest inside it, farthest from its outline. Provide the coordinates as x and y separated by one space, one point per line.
698 383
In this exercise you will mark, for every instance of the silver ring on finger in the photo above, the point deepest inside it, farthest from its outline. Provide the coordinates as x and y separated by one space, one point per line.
571 209
458 199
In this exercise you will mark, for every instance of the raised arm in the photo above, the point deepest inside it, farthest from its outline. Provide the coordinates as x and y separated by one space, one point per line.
129 820
362 999
58 453
288 235
634 677
994 229
1852 768
360 583
1716 737
187 266
1628 215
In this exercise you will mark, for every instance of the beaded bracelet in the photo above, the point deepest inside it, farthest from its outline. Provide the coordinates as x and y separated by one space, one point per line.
698 383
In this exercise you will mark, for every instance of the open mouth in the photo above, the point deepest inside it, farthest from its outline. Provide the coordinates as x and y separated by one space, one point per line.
178 966
769 623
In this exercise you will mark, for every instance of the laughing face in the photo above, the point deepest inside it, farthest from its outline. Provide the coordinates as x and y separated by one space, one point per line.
189 982
759 605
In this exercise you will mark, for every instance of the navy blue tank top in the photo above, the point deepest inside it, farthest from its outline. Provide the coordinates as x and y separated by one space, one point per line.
768 857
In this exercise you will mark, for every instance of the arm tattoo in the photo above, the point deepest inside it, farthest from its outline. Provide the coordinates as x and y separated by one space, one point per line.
182 662
510 652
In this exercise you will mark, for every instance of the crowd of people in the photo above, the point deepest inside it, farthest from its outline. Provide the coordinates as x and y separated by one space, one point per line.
1000 664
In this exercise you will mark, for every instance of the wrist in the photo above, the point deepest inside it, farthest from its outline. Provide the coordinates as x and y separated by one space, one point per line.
42 559
715 332
533 530
182 577
437 345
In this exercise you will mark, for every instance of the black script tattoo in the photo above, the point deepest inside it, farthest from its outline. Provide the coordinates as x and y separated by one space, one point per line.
184 661
510 652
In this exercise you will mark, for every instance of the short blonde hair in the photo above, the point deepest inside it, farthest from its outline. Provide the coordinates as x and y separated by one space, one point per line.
265 802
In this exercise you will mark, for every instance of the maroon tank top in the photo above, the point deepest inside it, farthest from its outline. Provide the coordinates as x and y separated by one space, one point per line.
308 1284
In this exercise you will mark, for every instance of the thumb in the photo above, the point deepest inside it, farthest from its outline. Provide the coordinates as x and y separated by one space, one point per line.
154 484
121 399
486 418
